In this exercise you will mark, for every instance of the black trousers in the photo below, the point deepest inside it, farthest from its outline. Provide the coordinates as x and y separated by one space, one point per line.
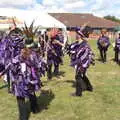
103 54
49 70
22 108
117 52
116 55
33 103
8 80
82 83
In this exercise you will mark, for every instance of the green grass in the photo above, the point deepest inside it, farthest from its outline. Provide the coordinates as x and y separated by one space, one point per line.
102 104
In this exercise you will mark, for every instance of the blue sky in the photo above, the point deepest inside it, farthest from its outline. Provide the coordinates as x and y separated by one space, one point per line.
96 7
39 1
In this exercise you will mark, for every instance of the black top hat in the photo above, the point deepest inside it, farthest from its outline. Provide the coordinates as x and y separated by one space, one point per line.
84 32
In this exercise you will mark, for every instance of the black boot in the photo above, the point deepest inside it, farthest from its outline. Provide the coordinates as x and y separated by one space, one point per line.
116 56
56 69
8 81
22 108
87 82
34 104
78 78
105 56
49 72
101 55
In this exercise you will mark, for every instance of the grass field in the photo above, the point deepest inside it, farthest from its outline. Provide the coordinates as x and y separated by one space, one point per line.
101 104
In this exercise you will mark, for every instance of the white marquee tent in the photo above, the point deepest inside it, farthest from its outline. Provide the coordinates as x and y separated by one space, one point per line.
41 19
44 20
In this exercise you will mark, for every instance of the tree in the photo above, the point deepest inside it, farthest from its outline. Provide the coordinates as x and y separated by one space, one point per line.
112 18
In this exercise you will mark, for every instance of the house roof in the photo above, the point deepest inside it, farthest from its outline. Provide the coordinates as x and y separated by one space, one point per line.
78 19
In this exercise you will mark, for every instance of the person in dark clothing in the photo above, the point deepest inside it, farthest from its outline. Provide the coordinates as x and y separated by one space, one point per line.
54 55
103 44
81 58
117 49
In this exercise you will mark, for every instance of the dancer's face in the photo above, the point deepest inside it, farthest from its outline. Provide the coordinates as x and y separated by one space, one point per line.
103 33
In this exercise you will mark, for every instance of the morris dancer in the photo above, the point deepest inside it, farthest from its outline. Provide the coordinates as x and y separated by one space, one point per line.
12 45
25 71
103 44
54 55
117 49
81 58
60 38
2 66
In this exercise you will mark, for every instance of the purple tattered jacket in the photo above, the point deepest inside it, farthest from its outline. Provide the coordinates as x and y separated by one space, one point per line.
2 61
25 74
54 52
103 42
11 47
81 56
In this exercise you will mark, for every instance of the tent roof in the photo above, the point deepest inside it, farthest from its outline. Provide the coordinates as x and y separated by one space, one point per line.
41 19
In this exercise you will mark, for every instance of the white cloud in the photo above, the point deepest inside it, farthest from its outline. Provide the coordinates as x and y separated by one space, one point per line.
97 7
16 3
102 4
62 5
48 2
106 7
71 1
77 4
55 9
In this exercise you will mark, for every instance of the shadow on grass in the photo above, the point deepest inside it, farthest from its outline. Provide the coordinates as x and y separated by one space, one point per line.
61 73
71 81
3 86
98 59
43 102
44 99
83 84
